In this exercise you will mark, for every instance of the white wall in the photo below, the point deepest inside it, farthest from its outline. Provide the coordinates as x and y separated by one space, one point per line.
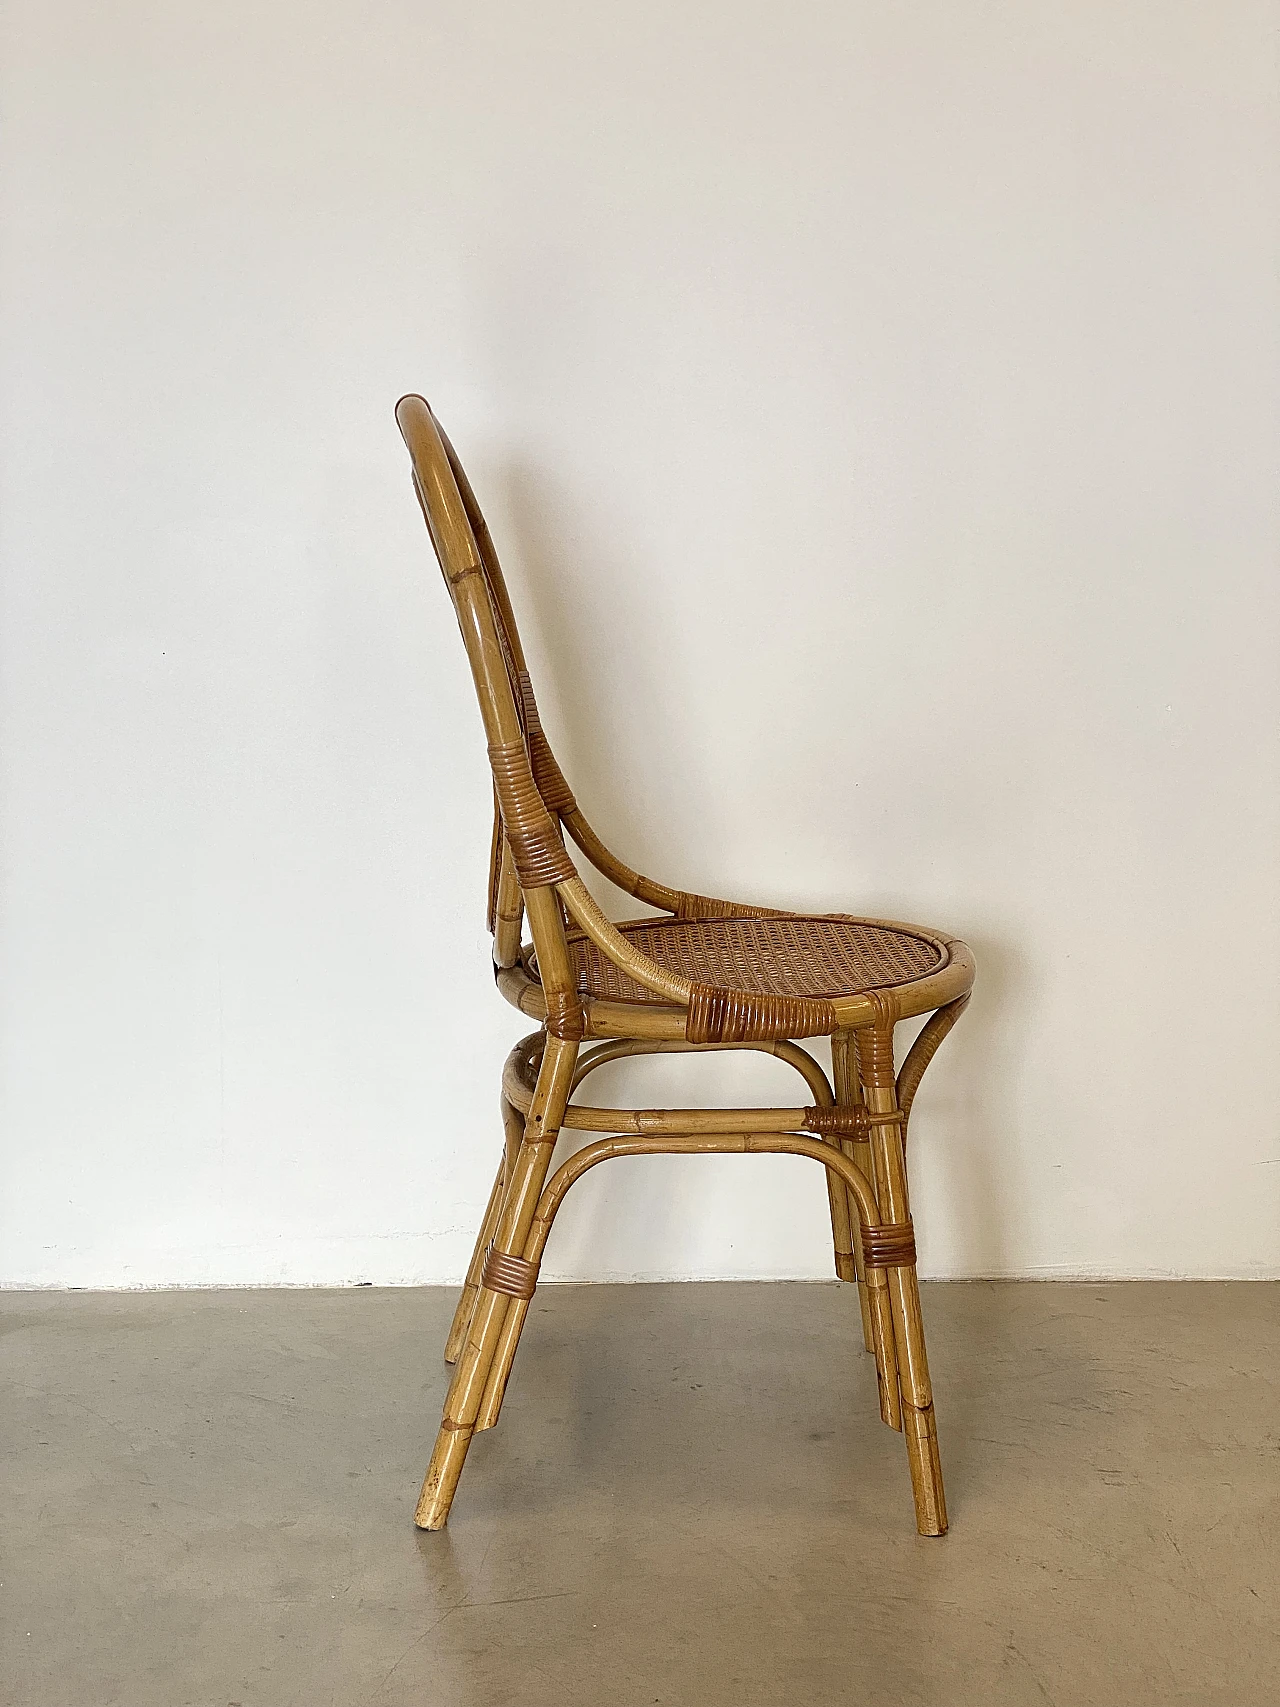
876 407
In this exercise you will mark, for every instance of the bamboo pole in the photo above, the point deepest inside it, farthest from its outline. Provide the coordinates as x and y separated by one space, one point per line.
875 1059
693 1144
844 1218
922 1052
844 1072
809 1069
471 1285
471 1374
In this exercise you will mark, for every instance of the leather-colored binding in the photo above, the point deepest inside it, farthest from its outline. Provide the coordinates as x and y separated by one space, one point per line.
875 1055
890 1246
505 1273
738 1016
539 854
845 1122
564 1015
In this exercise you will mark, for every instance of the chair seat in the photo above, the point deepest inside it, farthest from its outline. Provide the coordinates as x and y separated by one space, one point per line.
789 955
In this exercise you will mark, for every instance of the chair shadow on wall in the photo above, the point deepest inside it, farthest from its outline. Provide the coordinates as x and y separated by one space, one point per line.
965 1117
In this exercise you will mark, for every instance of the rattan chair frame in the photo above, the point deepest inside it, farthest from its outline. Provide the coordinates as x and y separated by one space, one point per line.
854 1125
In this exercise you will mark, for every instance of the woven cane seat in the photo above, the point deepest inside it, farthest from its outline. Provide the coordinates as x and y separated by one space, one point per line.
808 955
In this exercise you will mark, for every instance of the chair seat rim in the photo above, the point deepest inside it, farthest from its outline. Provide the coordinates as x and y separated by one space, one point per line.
614 1017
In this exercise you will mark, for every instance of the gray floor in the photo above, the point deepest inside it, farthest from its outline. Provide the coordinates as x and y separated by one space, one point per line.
690 1500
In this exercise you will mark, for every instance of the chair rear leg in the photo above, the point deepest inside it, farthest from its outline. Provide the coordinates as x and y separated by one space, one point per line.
891 1247
466 1391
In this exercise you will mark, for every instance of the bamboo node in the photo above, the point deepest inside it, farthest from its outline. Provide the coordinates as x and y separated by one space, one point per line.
890 1245
503 1272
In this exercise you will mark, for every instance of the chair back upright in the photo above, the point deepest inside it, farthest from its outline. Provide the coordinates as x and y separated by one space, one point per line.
528 855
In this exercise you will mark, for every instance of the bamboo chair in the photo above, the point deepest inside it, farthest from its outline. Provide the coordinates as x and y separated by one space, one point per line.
705 974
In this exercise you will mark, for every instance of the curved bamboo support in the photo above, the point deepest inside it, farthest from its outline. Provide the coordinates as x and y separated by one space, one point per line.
518 1089
922 1052
647 889
849 1177
696 1144
620 874
611 942
809 1069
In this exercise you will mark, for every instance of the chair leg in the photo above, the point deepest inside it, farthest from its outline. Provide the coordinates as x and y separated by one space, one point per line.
841 1229
500 1368
517 1309
462 1405
873 1290
471 1286
875 1055
848 1093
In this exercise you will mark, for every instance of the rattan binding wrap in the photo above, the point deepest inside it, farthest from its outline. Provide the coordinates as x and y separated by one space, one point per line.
846 1122
512 1275
892 1245
539 854
564 1015
742 1016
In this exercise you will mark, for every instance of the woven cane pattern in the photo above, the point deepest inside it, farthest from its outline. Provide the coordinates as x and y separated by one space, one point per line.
793 957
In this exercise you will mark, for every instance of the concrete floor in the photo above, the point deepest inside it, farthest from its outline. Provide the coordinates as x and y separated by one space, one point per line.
690 1500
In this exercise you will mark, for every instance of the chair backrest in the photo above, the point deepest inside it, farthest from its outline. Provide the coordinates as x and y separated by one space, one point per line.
530 793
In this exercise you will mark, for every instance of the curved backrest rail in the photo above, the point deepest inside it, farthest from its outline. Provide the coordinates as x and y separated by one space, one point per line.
529 853
473 546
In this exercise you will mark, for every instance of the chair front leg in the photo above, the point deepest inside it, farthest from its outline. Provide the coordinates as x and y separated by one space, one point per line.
504 1265
844 1074
891 1247
842 1226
